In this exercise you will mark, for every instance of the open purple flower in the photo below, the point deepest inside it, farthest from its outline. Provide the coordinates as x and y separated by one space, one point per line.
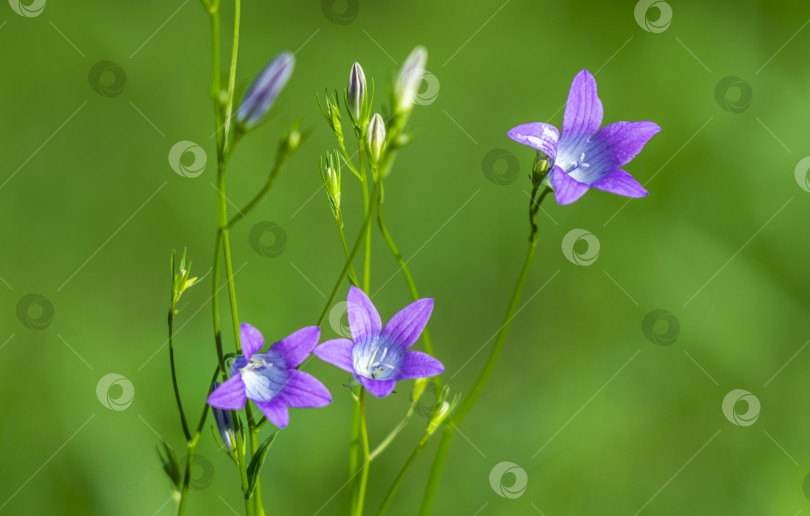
378 356
271 379
586 156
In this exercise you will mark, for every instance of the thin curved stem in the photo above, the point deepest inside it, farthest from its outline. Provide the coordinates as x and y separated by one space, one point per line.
392 491
183 420
361 496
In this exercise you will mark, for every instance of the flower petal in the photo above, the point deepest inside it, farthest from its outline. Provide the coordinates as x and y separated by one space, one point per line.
404 328
276 411
364 321
537 135
251 340
617 144
620 182
337 352
303 390
566 188
230 395
296 347
379 388
416 364
583 111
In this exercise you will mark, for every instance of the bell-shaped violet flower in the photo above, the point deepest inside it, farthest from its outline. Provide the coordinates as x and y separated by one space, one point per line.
265 88
378 356
585 156
224 423
271 379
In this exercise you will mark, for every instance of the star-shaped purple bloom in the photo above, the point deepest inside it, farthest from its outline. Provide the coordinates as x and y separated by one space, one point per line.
378 356
585 156
271 379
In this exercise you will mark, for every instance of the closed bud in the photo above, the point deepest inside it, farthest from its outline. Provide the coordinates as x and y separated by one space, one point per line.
265 88
375 136
442 410
291 141
409 79
331 112
418 389
356 94
224 423
539 170
330 175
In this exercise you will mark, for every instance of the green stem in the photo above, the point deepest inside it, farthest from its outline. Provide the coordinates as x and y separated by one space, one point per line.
450 426
183 420
354 450
352 273
389 497
366 210
237 10
392 434
181 507
361 496
280 160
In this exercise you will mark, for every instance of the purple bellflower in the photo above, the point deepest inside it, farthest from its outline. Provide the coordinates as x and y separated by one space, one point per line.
271 379
378 356
585 156
265 88
224 423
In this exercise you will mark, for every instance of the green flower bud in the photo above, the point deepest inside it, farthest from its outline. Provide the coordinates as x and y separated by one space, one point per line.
375 137
442 410
330 175
331 112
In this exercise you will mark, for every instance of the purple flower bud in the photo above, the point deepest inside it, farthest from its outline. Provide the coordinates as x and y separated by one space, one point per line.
375 136
356 93
265 88
224 422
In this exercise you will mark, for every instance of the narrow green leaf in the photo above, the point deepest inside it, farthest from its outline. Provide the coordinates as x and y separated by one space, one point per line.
255 467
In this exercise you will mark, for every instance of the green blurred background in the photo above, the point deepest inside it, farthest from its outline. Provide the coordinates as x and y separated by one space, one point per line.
601 417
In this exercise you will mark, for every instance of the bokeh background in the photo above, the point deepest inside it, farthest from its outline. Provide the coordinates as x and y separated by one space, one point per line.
609 396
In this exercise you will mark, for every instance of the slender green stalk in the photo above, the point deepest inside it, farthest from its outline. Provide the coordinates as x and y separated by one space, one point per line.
361 496
366 210
183 420
280 160
389 497
354 450
450 426
352 273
